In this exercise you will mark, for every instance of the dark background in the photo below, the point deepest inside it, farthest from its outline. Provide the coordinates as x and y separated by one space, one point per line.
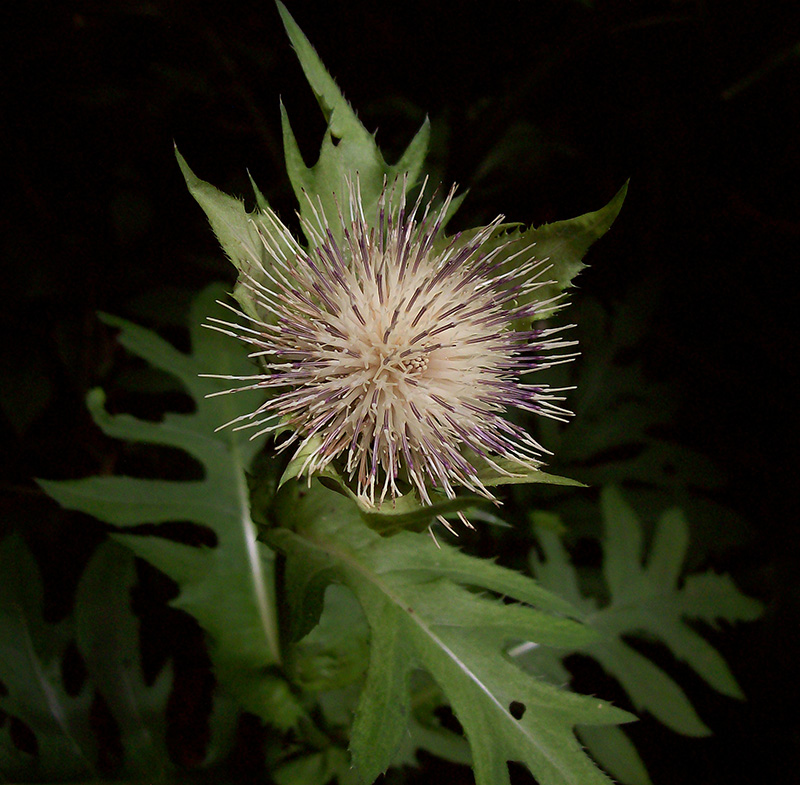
543 109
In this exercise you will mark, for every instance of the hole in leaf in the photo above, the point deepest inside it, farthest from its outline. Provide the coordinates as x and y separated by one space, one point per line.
519 775
22 737
516 710
147 461
448 720
335 140
184 532
73 670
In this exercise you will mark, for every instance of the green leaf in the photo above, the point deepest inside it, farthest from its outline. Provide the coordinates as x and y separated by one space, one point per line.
515 474
319 768
647 600
566 242
406 511
350 157
620 411
243 629
31 656
348 149
615 752
231 223
562 245
107 635
421 614
348 152
240 235
335 652
662 605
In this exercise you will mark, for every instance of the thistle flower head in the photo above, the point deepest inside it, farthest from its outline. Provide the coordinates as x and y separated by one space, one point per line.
391 351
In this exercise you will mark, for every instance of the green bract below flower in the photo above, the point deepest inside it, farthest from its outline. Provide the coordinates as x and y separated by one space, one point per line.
393 353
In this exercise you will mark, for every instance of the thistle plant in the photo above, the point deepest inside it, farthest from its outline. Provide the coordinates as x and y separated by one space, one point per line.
385 361
391 351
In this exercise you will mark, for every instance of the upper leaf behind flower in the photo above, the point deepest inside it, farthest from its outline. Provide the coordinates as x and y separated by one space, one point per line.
560 246
349 153
348 149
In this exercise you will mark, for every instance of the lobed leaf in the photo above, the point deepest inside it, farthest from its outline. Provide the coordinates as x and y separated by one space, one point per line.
348 149
646 599
421 614
107 636
31 656
242 628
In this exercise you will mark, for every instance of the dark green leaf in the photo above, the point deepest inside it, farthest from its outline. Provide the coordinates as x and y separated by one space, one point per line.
31 656
107 635
647 600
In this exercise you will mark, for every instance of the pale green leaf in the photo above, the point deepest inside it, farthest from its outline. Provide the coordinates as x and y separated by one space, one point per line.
622 563
243 629
615 752
650 688
348 149
335 652
432 738
421 614
319 768
240 235
261 200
